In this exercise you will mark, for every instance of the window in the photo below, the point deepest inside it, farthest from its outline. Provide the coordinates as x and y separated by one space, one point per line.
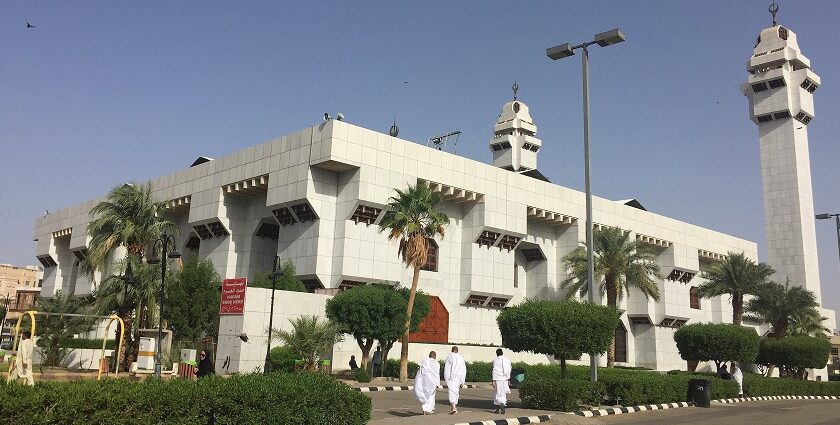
694 298
621 343
835 351
515 275
431 256
759 87
783 33
781 115
765 118
778 82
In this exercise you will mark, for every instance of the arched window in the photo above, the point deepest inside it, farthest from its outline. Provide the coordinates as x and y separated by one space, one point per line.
431 256
621 343
694 298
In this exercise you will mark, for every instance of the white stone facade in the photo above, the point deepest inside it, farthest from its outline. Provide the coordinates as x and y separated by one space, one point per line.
314 197
780 89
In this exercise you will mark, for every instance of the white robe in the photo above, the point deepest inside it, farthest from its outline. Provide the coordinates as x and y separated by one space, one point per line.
24 355
501 378
738 376
454 372
426 383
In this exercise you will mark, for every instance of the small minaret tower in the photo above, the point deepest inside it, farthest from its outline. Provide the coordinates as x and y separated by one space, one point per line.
780 89
513 145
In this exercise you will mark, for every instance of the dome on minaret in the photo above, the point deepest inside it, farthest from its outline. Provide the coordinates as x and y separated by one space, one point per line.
514 144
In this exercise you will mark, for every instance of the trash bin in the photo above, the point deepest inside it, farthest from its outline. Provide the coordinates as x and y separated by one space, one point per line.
517 375
700 392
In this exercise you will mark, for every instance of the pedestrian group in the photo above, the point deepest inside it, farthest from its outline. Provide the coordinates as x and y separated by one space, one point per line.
427 381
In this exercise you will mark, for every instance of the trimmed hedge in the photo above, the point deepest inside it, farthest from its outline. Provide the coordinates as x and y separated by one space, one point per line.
282 359
757 385
300 398
560 394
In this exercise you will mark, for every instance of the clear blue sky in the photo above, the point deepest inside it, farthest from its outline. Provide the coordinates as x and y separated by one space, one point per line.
101 93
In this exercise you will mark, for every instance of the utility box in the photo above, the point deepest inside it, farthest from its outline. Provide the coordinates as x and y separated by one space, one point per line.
146 353
188 356
700 392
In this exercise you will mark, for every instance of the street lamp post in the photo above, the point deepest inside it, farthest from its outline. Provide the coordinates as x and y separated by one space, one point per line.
837 221
559 52
166 245
276 272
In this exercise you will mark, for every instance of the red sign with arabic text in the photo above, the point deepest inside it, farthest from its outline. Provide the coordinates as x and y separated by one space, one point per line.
233 296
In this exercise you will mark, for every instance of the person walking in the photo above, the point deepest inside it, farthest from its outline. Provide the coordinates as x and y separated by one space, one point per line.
427 382
501 381
738 377
454 373
23 362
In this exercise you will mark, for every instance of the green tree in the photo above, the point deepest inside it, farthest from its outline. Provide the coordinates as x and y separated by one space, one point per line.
419 312
135 300
129 217
718 342
310 338
795 354
192 301
54 331
735 275
564 329
779 305
808 323
287 282
620 264
413 219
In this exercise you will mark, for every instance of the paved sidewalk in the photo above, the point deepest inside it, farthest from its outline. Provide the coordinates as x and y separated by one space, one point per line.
400 408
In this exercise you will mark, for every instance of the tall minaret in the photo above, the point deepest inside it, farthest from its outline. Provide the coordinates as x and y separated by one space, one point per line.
780 88
513 145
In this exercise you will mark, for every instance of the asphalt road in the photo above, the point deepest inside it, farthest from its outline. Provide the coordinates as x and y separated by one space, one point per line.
780 412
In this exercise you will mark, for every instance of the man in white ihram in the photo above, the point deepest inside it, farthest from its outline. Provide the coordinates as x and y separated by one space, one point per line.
454 372
427 382
501 379
738 377
23 362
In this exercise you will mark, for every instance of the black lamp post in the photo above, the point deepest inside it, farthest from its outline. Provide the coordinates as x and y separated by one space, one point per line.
166 245
276 272
837 222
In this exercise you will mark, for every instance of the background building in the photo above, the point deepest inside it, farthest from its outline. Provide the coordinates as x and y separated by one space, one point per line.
19 286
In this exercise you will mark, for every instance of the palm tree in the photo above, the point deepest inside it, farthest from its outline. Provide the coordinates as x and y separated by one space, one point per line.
134 300
55 330
808 323
310 338
619 264
737 276
781 305
413 220
129 217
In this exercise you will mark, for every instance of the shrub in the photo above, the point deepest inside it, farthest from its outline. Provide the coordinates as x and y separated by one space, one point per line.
795 353
300 398
282 359
392 369
564 329
655 388
560 394
361 375
757 385
717 342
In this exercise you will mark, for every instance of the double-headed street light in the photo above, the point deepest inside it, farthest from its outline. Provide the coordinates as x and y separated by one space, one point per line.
563 51
837 221
276 272
166 246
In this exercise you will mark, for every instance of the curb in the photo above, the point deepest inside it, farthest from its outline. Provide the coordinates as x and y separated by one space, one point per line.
778 397
405 388
629 409
512 421
632 409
